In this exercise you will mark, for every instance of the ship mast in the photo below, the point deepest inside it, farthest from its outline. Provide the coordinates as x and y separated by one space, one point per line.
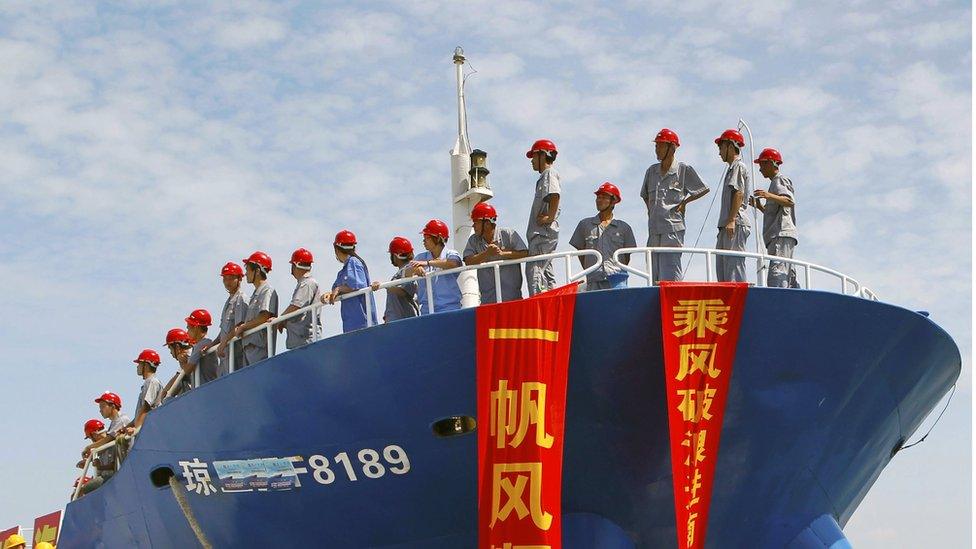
468 187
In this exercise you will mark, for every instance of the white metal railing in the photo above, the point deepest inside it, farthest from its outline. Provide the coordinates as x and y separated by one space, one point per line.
93 455
428 279
806 281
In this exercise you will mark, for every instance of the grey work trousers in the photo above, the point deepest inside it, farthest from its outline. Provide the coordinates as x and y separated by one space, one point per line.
666 266
224 367
539 274
731 269
781 274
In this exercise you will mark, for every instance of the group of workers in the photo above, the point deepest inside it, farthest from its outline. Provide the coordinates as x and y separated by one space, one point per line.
668 187
17 541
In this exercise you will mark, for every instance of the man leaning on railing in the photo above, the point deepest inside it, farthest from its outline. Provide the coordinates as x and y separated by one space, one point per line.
104 462
493 243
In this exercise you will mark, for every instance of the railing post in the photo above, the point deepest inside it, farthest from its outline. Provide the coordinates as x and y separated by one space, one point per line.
569 269
709 260
369 306
271 349
430 293
230 363
196 375
650 268
498 283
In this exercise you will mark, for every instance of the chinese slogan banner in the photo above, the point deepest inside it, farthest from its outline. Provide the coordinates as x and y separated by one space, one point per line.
4 534
46 528
700 327
523 360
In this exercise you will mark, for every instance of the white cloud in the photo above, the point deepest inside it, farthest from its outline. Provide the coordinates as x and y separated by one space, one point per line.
249 33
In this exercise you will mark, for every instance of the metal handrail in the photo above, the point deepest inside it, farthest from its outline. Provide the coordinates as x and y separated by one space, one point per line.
316 306
94 454
808 267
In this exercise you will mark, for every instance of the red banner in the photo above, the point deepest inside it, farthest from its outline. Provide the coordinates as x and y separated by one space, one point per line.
523 361
700 328
46 528
4 534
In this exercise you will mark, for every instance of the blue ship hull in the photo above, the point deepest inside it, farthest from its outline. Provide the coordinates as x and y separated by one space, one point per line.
825 389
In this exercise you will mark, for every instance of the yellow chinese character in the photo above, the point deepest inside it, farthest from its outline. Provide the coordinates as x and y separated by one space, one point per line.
692 490
697 357
695 442
691 529
512 411
502 481
695 404
700 315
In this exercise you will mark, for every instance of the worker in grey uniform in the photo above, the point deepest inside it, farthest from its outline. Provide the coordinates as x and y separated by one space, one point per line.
401 300
493 243
110 408
152 390
779 218
303 328
668 188
197 326
543 229
606 234
733 224
262 307
235 308
180 346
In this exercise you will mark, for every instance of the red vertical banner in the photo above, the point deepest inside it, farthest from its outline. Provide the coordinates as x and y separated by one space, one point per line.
523 362
46 528
700 328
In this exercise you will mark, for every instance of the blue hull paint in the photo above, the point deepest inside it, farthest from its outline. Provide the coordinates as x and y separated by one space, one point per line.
824 388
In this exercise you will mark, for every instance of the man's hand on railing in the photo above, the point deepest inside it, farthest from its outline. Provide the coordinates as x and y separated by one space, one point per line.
222 349
375 285
329 298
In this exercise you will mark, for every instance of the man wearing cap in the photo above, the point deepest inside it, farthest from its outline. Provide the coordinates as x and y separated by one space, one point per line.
493 243
437 257
110 408
233 313
779 218
401 300
104 462
606 234
733 223
151 392
262 307
302 328
180 345
668 188
197 326
543 229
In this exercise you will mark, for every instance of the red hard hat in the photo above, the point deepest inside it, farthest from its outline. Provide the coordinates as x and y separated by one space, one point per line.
770 154
177 335
110 398
260 259
93 426
232 269
667 136
301 255
733 136
345 240
611 189
542 145
149 355
436 227
199 317
483 210
400 246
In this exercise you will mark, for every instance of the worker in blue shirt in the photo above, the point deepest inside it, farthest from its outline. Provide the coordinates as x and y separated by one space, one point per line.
447 294
353 276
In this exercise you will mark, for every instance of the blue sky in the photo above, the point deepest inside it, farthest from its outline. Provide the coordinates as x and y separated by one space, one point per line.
144 144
